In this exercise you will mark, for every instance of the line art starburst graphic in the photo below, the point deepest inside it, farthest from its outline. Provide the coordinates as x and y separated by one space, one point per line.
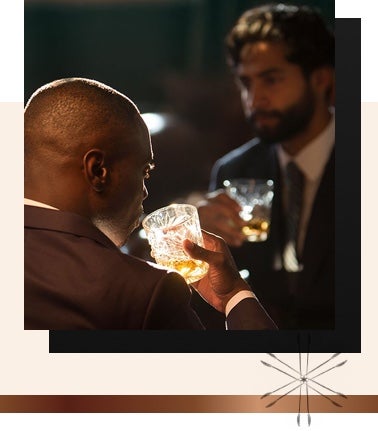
303 378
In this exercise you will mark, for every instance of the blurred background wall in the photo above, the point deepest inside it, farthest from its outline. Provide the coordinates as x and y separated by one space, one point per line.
168 57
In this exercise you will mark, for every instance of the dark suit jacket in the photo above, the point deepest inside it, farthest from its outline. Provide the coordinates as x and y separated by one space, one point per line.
309 305
76 278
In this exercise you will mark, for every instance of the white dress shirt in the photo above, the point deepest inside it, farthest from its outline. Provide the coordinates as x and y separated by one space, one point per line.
37 204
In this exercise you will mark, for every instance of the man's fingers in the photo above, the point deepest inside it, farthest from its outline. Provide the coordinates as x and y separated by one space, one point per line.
231 235
227 230
215 213
220 206
197 252
223 222
221 197
226 200
220 214
212 241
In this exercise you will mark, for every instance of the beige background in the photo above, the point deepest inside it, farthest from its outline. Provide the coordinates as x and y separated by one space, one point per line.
26 367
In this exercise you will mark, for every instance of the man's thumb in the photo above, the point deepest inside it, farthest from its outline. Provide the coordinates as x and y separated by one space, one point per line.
197 252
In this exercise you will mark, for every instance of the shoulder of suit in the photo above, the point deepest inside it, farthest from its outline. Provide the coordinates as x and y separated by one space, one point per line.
252 147
144 266
155 268
147 268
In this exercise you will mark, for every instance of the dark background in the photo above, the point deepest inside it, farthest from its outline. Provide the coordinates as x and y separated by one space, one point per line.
168 57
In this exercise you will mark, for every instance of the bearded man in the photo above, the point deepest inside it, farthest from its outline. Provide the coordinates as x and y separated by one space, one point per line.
283 60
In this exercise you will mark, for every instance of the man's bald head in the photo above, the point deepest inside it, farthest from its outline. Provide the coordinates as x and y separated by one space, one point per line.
64 116
87 150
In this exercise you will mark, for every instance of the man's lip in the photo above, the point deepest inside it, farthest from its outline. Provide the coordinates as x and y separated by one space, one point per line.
264 115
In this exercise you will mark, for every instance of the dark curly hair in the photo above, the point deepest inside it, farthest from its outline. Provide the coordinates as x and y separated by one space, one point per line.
311 44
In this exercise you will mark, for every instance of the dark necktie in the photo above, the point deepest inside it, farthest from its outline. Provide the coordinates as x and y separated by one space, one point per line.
294 184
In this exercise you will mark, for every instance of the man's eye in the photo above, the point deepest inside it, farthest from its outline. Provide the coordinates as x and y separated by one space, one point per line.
270 80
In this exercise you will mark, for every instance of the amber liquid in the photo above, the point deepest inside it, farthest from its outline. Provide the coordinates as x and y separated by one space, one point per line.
256 229
192 270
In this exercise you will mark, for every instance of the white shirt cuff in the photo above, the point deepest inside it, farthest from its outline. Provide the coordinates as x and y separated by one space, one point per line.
237 298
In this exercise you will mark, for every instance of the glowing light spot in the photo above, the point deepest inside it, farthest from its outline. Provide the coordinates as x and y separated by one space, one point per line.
155 122
244 274
142 234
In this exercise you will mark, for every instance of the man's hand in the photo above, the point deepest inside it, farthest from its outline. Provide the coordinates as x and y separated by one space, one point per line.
223 280
219 213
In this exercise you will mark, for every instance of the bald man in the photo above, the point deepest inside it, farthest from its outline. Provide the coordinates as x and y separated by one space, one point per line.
87 156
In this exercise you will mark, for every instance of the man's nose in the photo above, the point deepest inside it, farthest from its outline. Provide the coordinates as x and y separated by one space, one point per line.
256 99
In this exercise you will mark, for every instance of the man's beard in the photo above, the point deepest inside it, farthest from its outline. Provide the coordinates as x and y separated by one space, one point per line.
291 121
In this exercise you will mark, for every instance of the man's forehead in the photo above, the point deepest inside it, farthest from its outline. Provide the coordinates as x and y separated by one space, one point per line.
262 51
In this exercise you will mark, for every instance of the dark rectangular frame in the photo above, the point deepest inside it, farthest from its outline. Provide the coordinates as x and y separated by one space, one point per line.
347 335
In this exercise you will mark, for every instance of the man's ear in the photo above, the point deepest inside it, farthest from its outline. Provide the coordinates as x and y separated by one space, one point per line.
95 171
323 81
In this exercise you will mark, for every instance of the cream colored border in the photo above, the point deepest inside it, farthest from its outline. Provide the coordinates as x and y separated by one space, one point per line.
23 353
27 368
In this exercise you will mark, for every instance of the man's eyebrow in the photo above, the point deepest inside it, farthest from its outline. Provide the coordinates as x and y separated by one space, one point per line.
270 71
273 70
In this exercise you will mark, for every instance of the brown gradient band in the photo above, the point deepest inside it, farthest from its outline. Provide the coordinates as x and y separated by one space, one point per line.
183 404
